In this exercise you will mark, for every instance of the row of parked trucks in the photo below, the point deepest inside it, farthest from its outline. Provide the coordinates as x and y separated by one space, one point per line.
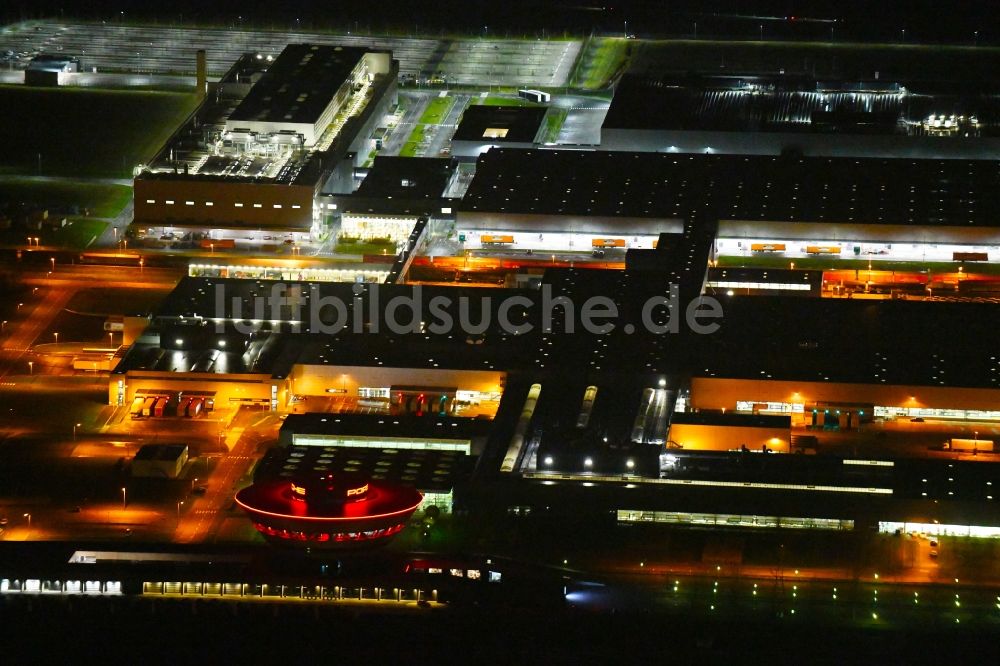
158 406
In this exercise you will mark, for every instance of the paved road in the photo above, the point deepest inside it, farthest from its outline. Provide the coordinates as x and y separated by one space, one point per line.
415 104
446 130
51 294
207 513
21 333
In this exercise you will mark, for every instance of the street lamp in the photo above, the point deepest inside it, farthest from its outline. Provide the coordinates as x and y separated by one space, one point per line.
53 260
75 426
179 509
141 264
28 516
111 338
124 504
31 367
56 334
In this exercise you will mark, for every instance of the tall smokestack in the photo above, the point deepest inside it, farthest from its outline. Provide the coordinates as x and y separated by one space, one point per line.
201 73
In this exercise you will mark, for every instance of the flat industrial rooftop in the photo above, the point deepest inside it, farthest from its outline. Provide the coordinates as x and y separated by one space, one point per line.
407 177
299 84
500 124
795 104
736 187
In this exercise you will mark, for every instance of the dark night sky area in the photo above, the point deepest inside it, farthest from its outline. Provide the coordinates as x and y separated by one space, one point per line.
923 20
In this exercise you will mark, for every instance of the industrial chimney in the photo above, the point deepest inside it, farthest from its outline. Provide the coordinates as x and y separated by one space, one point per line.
201 73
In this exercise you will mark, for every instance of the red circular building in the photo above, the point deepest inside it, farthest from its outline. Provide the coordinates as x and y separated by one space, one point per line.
329 510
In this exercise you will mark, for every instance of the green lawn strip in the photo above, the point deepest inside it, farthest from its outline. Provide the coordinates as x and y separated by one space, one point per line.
412 145
554 120
363 247
607 57
84 131
496 100
436 111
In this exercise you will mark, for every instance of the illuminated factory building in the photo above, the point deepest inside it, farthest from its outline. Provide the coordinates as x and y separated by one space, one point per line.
329 511
267 138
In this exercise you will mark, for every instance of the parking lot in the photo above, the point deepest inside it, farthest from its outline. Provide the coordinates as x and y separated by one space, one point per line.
171 50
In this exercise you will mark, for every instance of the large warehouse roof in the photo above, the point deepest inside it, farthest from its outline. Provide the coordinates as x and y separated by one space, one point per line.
790 104
395 177
482 122
736 187
299 84
761 337
853 341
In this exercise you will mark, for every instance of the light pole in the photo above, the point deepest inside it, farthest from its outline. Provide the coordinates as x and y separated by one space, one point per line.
111 338
56 334
53 261
761 32
179 509
142 262
124 503
75 426
28 516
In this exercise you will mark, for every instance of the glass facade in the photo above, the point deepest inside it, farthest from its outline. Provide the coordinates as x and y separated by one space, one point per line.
771 286
963 414
461 445
366 227
770 407
937 529
288 274
733 520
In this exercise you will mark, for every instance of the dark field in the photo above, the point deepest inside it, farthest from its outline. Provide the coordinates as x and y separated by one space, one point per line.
79 132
